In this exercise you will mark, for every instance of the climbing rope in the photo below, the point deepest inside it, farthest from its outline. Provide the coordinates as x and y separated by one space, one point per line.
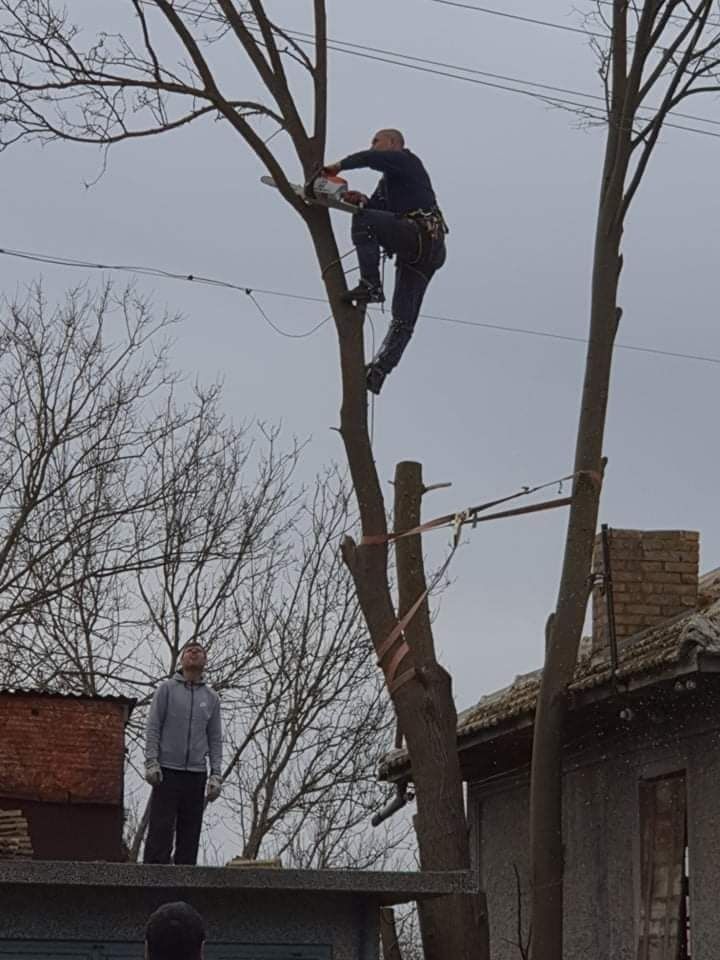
372 395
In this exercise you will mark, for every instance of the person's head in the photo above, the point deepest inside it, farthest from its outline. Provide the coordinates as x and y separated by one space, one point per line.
389 139
193 658
174 932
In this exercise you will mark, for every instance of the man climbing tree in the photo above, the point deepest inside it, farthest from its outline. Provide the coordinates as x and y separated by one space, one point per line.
121 88
401 217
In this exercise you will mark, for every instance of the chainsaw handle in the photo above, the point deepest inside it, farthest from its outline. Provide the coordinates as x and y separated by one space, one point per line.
309 187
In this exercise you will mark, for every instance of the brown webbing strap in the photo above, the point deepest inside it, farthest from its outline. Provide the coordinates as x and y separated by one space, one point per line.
449 518
394 682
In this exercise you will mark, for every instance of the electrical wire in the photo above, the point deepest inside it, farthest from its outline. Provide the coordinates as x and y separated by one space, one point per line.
390 56
600 116
496 81
250 292
284 333
553 24
515 16
673 16
194 278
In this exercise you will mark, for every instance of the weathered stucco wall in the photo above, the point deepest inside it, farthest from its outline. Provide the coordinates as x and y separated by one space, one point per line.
602 846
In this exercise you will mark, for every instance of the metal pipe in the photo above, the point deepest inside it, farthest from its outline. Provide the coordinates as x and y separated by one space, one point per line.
609 597
401 798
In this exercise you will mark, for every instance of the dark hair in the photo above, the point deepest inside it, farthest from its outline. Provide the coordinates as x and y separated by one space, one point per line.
192 643
175 931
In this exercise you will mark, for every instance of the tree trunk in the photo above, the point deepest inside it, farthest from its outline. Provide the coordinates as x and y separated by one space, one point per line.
428 719
424 704
388 935
139 836
546 841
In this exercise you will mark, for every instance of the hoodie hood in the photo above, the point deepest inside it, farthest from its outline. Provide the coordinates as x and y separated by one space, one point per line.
178 675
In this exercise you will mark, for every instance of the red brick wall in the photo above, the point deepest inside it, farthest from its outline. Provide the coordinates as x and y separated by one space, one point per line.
61 750
655 578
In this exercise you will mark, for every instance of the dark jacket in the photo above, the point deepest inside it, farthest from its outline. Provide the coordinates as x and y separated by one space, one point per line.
405 185
184 726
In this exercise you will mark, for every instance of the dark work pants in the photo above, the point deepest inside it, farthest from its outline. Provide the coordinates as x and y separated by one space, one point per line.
418 256
176 812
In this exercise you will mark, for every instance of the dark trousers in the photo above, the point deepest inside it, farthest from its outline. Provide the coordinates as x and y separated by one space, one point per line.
176 812
418 255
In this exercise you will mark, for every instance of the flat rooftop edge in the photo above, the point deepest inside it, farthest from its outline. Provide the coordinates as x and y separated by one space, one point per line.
397 886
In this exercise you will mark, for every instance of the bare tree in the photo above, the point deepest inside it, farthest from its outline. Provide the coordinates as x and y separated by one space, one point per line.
306 779
130 85
659 53
305 715
134 523
73 385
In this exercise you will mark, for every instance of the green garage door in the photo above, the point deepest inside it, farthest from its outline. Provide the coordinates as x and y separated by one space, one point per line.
49 950
38 950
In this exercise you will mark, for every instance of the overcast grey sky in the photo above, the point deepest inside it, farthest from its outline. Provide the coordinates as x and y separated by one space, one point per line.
490 411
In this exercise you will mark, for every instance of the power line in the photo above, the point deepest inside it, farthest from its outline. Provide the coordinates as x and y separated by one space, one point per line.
673 16
570 339
515 16
250 291
546 98
306 38
554 25
496 81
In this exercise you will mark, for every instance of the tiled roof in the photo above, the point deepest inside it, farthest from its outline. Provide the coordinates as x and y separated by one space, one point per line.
645 652
709 586
653 650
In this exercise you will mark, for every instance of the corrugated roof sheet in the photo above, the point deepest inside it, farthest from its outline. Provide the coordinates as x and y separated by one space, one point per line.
653 650
29 692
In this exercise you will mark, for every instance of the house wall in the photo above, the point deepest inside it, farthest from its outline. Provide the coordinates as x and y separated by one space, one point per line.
601 835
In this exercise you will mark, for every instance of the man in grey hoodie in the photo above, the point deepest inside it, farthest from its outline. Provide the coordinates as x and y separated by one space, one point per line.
183 728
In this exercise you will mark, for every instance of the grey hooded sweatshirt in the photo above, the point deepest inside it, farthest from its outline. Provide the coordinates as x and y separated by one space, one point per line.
184 726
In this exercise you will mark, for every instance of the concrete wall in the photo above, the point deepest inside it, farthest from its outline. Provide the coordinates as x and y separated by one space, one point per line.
601 827
104 915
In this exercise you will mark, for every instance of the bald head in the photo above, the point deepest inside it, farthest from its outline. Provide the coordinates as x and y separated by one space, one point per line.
388 139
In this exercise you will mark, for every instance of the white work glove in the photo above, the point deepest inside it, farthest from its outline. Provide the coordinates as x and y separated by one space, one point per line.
153 773
214 787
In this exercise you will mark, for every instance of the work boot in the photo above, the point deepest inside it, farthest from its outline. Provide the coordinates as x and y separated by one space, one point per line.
374 378
365 292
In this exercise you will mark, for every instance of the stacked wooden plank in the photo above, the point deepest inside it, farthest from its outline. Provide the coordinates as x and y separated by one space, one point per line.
274 863
14 837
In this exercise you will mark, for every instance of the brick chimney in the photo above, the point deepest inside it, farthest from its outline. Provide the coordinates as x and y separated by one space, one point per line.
655 578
